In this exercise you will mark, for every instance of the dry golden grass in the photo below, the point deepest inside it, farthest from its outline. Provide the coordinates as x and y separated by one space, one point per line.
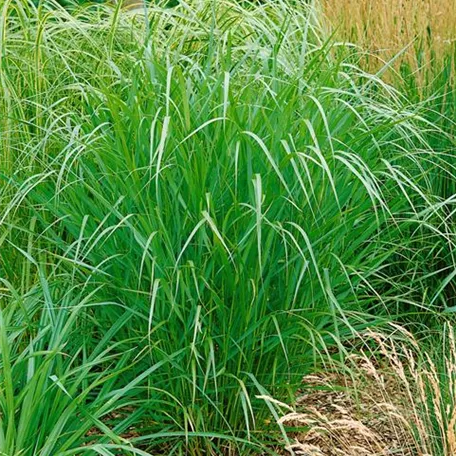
391 398
385 27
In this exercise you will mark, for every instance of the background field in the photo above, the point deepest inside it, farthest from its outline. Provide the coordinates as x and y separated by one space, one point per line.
385 27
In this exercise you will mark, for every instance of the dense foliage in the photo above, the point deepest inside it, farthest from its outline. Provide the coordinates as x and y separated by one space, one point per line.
196 209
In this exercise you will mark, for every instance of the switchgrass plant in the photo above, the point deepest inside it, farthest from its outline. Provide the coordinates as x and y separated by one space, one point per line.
197 206
58 390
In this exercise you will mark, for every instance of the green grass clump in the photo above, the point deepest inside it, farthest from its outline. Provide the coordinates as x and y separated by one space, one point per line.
195 209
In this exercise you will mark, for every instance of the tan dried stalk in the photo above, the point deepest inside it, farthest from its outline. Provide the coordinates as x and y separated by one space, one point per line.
385 27
413 393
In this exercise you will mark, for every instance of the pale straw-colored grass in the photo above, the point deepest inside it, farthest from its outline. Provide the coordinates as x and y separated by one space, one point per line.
394 398
385 27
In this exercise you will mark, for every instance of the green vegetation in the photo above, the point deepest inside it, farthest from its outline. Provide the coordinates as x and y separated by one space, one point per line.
197 209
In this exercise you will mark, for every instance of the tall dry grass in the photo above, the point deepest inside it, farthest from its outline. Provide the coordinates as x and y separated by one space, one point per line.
395 397
385 27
